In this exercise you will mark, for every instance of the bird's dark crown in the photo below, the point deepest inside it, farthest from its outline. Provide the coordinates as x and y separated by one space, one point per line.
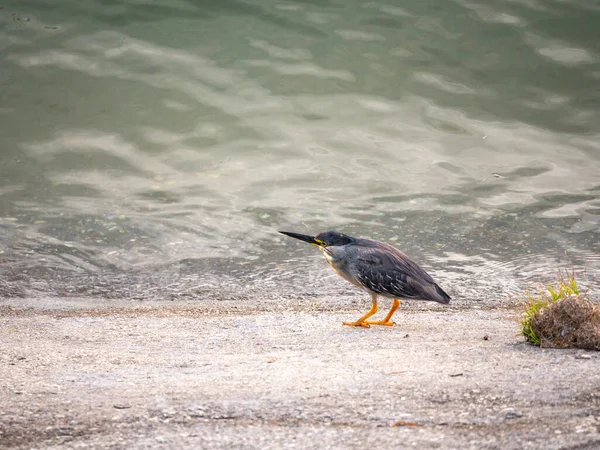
332 238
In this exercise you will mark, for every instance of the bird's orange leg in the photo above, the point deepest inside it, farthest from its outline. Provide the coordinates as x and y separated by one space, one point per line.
386 321
362 322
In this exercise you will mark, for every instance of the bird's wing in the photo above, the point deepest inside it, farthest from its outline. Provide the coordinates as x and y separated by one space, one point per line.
391 273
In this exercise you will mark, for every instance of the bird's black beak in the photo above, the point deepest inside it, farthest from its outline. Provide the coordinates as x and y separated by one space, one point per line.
304 237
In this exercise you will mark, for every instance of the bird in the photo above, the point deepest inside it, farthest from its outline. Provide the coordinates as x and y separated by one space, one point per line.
376 267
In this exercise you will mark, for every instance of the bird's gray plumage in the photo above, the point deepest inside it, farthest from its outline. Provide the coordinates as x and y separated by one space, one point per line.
378 268
382 269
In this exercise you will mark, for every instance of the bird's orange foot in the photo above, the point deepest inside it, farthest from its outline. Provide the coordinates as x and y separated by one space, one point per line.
357 324
387 323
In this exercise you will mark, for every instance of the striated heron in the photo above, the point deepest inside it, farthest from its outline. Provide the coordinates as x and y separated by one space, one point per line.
376 267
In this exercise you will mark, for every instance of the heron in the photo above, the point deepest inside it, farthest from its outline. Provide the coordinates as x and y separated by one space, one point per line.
376 267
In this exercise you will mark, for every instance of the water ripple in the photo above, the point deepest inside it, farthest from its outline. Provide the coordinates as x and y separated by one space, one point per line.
171 141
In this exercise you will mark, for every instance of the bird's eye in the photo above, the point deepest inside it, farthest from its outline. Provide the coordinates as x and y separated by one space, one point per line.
321 243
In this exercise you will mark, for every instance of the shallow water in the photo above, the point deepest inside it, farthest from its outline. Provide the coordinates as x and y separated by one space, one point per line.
155 149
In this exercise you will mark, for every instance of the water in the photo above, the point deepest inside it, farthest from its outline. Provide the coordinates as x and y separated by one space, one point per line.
153 149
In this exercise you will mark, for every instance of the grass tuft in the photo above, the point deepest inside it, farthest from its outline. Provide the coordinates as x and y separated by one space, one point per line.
565 287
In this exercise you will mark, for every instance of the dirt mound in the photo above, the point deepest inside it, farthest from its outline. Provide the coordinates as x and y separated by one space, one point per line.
570 322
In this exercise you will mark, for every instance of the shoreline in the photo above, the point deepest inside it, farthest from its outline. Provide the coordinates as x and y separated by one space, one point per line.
193 374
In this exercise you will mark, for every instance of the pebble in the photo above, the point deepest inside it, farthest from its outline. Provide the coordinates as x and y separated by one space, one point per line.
513 415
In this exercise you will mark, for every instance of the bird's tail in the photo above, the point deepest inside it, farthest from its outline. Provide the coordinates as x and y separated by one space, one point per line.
435 293
440 296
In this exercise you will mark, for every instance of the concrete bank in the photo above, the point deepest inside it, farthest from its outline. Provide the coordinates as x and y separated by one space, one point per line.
184 375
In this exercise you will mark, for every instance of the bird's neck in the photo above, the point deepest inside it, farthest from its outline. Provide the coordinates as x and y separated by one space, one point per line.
330 257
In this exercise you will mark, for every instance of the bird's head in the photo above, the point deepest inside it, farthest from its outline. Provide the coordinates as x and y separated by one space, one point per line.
322 240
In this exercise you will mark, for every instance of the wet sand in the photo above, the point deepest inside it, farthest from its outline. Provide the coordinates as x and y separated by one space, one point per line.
200 375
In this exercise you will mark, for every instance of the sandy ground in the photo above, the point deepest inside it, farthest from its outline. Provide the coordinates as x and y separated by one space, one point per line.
184 375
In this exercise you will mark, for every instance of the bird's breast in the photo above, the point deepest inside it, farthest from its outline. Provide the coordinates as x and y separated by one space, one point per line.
337 265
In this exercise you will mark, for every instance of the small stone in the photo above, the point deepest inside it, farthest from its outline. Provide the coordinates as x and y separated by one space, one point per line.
121 406
583 356
513 415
